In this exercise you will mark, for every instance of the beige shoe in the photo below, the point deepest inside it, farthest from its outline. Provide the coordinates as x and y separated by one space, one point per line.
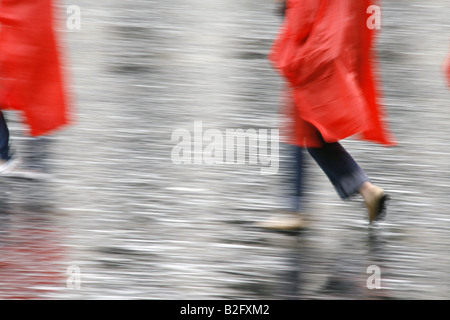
376 204
284 221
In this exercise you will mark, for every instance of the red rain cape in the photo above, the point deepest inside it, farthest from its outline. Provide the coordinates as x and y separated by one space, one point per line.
324 51
30 70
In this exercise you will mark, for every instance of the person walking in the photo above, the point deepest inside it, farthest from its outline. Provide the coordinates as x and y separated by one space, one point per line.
31 74
324 51
292 167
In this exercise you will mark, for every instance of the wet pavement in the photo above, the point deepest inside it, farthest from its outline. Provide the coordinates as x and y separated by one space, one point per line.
120 220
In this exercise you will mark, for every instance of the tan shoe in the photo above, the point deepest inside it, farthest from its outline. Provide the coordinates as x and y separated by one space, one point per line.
287 221
376 204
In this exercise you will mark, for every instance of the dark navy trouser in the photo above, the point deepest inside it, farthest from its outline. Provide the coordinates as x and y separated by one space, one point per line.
339 166
4 139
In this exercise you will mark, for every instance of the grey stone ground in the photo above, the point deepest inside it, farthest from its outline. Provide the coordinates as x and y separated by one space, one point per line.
136 225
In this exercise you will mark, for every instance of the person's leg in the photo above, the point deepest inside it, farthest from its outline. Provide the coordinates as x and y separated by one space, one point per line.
295 177
341 169
4 139
7 164
291 194
348 177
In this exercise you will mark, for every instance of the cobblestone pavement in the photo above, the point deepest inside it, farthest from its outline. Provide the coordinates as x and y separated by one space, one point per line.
128 223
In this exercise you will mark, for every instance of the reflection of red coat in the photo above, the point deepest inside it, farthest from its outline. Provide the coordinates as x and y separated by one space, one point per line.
446 69
32 262
323 51
30 71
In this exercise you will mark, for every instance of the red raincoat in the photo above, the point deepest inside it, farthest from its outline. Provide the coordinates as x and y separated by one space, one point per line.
323 50
30 70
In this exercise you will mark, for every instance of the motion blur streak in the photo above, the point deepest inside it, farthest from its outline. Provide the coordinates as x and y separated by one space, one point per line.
138 226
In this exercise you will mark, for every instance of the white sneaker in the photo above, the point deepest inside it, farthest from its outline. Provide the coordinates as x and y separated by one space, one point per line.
12 169
29 174
8 166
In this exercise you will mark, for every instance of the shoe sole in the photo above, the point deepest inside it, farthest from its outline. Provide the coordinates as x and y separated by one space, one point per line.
285 226
9 166
29 175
